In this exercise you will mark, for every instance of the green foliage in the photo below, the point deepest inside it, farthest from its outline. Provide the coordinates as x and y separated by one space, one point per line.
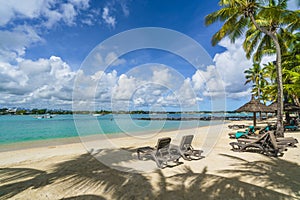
256 76
276 24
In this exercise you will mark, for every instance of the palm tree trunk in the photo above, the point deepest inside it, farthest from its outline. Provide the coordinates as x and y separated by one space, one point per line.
279 123
280 128
258 91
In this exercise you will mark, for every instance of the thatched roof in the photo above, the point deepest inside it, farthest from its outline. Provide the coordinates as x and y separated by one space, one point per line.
273 106
286 107
254 105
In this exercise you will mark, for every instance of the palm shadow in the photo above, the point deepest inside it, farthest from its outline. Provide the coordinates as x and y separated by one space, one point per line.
86 173
82 172
274 172
84 197
17 180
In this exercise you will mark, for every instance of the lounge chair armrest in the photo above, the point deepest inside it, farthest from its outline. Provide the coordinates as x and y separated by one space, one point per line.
236 146
245 140
143 151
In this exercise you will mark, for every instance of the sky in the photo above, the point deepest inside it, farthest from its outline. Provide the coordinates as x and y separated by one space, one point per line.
118 55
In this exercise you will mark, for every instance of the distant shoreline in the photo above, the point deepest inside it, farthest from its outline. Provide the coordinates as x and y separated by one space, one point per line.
196 118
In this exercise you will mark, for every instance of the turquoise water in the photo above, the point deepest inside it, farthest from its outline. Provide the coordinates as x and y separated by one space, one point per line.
18 128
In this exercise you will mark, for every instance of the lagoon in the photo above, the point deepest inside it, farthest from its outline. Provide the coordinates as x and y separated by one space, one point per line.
22 128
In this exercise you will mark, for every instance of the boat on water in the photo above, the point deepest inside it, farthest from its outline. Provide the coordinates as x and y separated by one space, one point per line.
97 115
43 116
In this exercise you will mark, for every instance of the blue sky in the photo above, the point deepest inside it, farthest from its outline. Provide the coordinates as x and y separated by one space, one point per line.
44 43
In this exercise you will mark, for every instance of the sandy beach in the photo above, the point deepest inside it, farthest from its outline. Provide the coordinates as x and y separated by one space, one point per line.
108 168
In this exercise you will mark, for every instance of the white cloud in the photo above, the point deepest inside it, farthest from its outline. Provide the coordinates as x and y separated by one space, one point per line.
186 94
11 78
49 9
47 82
231 65
66 12
226 76
99 60
37 15
209 82
84 4
14 43
125 88
112 59
51 81
69 13
162 77
110 20
32 81
21 9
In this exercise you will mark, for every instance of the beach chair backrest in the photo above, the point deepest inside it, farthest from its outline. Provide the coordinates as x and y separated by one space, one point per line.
262 138
163 143
162 147
273 139
186 142
251 129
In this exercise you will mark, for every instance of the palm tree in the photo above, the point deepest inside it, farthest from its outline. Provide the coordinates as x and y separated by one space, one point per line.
289 43
291 67
293 85
255 75
270 89
266 17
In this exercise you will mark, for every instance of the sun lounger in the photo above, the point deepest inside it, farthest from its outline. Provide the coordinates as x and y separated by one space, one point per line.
236 126
160 154
245 144
239 134
273 148
265 144
288 141
186 150
291 127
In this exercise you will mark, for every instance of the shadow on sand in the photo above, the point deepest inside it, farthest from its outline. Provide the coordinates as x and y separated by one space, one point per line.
90 179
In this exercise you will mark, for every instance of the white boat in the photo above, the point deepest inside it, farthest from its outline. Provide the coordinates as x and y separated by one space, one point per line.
43 116
97 115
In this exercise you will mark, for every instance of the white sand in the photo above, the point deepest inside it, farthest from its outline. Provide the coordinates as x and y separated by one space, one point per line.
64 169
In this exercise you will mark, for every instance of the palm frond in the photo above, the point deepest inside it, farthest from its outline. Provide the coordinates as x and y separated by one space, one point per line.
253 36
239 29
221 15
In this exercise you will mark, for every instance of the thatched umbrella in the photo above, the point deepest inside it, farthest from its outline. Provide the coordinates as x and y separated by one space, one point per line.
273 106
254 105
286 107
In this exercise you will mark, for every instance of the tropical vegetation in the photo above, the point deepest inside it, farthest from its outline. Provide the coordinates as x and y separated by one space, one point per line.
269 28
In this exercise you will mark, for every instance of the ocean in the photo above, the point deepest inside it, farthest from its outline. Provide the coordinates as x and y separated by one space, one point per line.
22 128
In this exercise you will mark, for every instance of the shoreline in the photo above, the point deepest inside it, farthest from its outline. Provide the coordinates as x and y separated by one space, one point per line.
19 145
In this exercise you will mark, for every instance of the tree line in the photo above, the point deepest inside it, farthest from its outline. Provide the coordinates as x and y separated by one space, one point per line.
268 28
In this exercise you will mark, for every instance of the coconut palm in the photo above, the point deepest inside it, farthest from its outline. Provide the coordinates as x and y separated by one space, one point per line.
256 76
270 89
290 48
266 16
293 84
291 67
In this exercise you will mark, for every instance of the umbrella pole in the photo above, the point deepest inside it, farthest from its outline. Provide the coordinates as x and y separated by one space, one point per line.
254 119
